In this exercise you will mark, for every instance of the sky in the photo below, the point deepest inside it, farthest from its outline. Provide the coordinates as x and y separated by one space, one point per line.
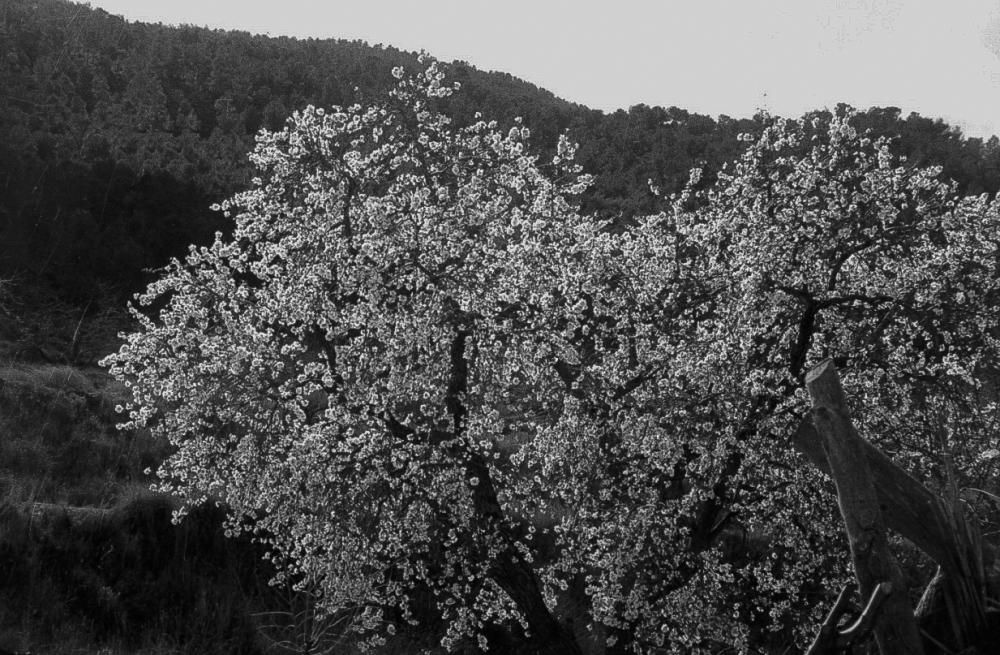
733 57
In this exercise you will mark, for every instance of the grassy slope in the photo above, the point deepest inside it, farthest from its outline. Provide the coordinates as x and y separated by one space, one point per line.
89 560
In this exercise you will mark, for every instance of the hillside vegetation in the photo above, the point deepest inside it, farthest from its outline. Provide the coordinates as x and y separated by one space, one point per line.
117 137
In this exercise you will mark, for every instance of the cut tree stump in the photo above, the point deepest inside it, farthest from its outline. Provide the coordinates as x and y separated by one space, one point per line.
953 610
895 628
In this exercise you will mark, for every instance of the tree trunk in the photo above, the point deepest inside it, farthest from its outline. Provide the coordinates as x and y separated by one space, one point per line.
508 568
895 629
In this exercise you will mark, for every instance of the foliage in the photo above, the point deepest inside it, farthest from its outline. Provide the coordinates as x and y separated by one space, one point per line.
418 373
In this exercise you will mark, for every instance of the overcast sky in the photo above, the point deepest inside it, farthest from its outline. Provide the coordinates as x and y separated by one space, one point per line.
939 58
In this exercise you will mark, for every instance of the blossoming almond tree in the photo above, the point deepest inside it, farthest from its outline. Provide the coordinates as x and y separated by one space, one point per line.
446 398
337 373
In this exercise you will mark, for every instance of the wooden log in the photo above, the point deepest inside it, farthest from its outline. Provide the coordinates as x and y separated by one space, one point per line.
908 507
896 629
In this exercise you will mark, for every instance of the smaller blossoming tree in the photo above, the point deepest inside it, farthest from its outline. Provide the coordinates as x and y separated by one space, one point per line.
816 244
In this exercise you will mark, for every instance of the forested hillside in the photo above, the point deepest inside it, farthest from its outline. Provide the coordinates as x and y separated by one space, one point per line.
116 137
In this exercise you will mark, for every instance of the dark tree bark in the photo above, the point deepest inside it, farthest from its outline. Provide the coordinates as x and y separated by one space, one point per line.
508 569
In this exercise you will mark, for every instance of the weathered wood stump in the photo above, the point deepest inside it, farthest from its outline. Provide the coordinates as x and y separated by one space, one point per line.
952 614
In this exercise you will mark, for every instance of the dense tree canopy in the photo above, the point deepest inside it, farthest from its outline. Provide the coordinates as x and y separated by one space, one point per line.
456 405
